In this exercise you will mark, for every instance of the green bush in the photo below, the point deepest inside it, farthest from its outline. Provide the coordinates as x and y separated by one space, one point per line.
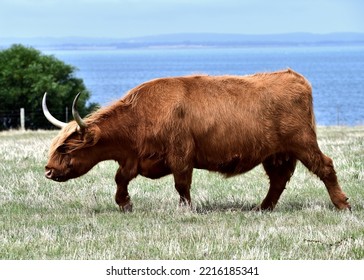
25 74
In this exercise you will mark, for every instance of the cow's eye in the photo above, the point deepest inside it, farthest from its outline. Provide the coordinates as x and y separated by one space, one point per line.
62 149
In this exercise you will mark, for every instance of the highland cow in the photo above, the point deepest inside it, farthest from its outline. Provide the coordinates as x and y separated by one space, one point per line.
226 124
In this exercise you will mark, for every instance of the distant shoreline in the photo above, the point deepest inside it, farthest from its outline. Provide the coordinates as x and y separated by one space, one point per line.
190 40
85 47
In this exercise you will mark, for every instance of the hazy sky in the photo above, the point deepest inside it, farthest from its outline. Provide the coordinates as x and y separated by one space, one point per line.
132 18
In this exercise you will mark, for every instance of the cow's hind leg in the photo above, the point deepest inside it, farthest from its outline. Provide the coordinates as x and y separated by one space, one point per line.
308 152
279 168
323 167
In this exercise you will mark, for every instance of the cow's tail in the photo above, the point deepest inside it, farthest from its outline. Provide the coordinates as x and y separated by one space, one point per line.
308 89
312 116
313 120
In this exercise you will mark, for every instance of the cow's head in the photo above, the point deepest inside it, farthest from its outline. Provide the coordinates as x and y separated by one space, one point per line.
71 153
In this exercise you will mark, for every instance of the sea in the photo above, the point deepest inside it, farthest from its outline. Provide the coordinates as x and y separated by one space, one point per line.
336 72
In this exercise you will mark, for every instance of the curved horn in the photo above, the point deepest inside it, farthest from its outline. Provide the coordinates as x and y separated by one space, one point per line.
48 115
76 115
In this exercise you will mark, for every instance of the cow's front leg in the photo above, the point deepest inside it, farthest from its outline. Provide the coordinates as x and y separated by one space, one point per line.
183 186
180 160
122 198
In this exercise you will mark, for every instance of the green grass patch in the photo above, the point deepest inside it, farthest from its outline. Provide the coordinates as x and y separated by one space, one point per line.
42 219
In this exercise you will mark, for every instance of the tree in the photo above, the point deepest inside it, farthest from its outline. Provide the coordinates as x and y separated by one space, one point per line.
25 74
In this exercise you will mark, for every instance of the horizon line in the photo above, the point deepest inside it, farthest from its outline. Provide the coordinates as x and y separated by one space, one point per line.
182 34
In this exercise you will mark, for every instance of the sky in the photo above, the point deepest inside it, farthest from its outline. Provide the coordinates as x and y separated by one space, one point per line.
135 18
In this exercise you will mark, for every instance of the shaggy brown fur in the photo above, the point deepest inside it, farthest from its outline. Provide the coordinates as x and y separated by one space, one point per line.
227 124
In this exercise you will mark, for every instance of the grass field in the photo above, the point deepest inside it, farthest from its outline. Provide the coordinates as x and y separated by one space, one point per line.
42 219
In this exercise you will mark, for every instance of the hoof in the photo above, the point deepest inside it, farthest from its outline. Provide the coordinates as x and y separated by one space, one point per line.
127 208
344 207
342 204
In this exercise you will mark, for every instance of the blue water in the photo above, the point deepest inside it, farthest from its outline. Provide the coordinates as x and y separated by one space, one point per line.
335 72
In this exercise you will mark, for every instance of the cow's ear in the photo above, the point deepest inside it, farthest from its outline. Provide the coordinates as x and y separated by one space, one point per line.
91 135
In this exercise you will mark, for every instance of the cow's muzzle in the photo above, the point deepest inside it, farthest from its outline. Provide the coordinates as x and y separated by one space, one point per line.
52 174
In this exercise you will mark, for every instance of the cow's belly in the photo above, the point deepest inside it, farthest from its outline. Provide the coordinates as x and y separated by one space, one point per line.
153 168
229 166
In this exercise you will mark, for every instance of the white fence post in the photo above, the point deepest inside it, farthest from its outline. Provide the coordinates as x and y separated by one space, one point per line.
66 114
22 119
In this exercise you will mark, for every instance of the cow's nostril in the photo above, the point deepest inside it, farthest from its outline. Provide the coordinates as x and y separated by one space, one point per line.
48 173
